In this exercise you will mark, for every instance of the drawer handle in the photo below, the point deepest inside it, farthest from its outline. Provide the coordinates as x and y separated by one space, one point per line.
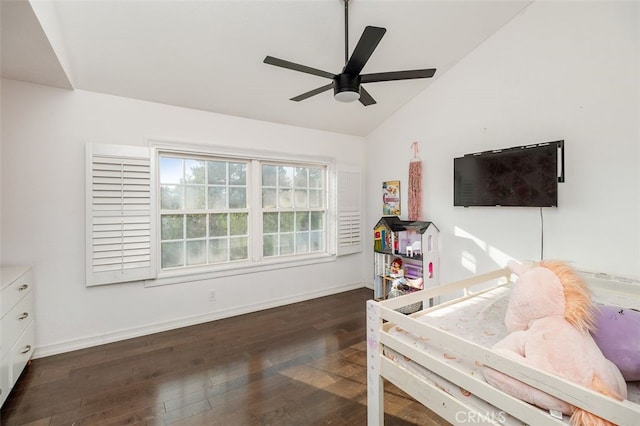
26 349
24 315
23 287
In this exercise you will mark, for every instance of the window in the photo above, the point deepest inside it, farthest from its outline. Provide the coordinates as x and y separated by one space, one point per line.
203 211
293 210
207 219
170 215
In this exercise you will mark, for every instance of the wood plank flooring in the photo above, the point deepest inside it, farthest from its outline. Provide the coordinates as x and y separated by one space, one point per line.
301 364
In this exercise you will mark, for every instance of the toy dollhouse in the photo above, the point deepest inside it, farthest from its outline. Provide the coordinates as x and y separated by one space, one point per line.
414 242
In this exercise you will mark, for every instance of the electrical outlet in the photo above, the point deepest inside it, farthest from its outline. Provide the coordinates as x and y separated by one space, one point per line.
212 295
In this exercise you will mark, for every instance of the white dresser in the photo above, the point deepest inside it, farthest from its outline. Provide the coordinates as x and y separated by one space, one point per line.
16 324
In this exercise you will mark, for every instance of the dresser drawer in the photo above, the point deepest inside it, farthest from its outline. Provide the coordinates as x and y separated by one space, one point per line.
17 336
15 322
5 384
15 291
21 352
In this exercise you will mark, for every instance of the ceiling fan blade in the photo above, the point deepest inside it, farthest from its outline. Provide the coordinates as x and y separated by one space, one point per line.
312 93
365 98
368 42
397 75
296 67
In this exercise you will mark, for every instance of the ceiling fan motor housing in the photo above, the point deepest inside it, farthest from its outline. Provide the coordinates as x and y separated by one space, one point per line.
346 87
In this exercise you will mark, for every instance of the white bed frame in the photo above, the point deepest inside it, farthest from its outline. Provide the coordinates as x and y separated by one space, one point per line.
381 316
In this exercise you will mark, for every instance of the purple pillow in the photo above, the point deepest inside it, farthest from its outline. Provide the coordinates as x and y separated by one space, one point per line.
618 337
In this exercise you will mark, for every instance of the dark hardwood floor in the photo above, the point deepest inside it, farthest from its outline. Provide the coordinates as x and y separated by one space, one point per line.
301 364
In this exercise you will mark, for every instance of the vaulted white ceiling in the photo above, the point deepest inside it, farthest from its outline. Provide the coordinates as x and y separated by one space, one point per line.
208 55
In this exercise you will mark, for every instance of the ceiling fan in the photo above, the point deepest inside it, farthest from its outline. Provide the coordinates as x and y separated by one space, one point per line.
347 85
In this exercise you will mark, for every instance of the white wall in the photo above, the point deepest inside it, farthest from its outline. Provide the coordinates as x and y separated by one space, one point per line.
560 70
44 132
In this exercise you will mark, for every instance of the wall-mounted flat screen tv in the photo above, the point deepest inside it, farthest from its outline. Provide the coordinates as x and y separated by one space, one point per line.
525 176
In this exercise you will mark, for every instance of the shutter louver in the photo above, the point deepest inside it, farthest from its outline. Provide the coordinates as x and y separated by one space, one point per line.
349 226
119 215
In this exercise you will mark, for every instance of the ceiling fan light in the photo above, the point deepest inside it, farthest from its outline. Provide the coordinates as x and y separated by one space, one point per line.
347 96
346 87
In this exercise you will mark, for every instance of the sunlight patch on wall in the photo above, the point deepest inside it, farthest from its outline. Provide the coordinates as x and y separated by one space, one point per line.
501 258
468 260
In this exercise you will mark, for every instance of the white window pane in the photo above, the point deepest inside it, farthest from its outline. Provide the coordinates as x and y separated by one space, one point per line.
269 175
217 171
302 221
270 245
315 178
286 244
270 223
285 177
302 242
195 197
301 179
217 197
172 254
196 252
172 197
237 198
238 224
316 241
172 227
196 226
171 170
284 198
237 174
301 198
218 250
317 221
315 198
218 225
287 221
194 171
269 198
239 248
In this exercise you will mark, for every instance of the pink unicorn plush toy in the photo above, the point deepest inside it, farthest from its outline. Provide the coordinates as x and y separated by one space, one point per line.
549 317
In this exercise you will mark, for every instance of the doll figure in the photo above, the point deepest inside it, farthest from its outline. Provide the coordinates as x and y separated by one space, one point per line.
395 268
401 282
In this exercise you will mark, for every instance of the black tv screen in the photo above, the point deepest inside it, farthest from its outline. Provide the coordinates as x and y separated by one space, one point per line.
525 176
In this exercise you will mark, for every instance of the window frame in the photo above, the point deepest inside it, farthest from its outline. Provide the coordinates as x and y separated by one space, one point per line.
186 210
293 208
256 262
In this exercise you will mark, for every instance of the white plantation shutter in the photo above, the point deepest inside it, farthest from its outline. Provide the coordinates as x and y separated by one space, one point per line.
349 214
119 213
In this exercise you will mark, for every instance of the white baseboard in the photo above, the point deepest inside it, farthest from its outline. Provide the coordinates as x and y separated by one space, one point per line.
87 342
